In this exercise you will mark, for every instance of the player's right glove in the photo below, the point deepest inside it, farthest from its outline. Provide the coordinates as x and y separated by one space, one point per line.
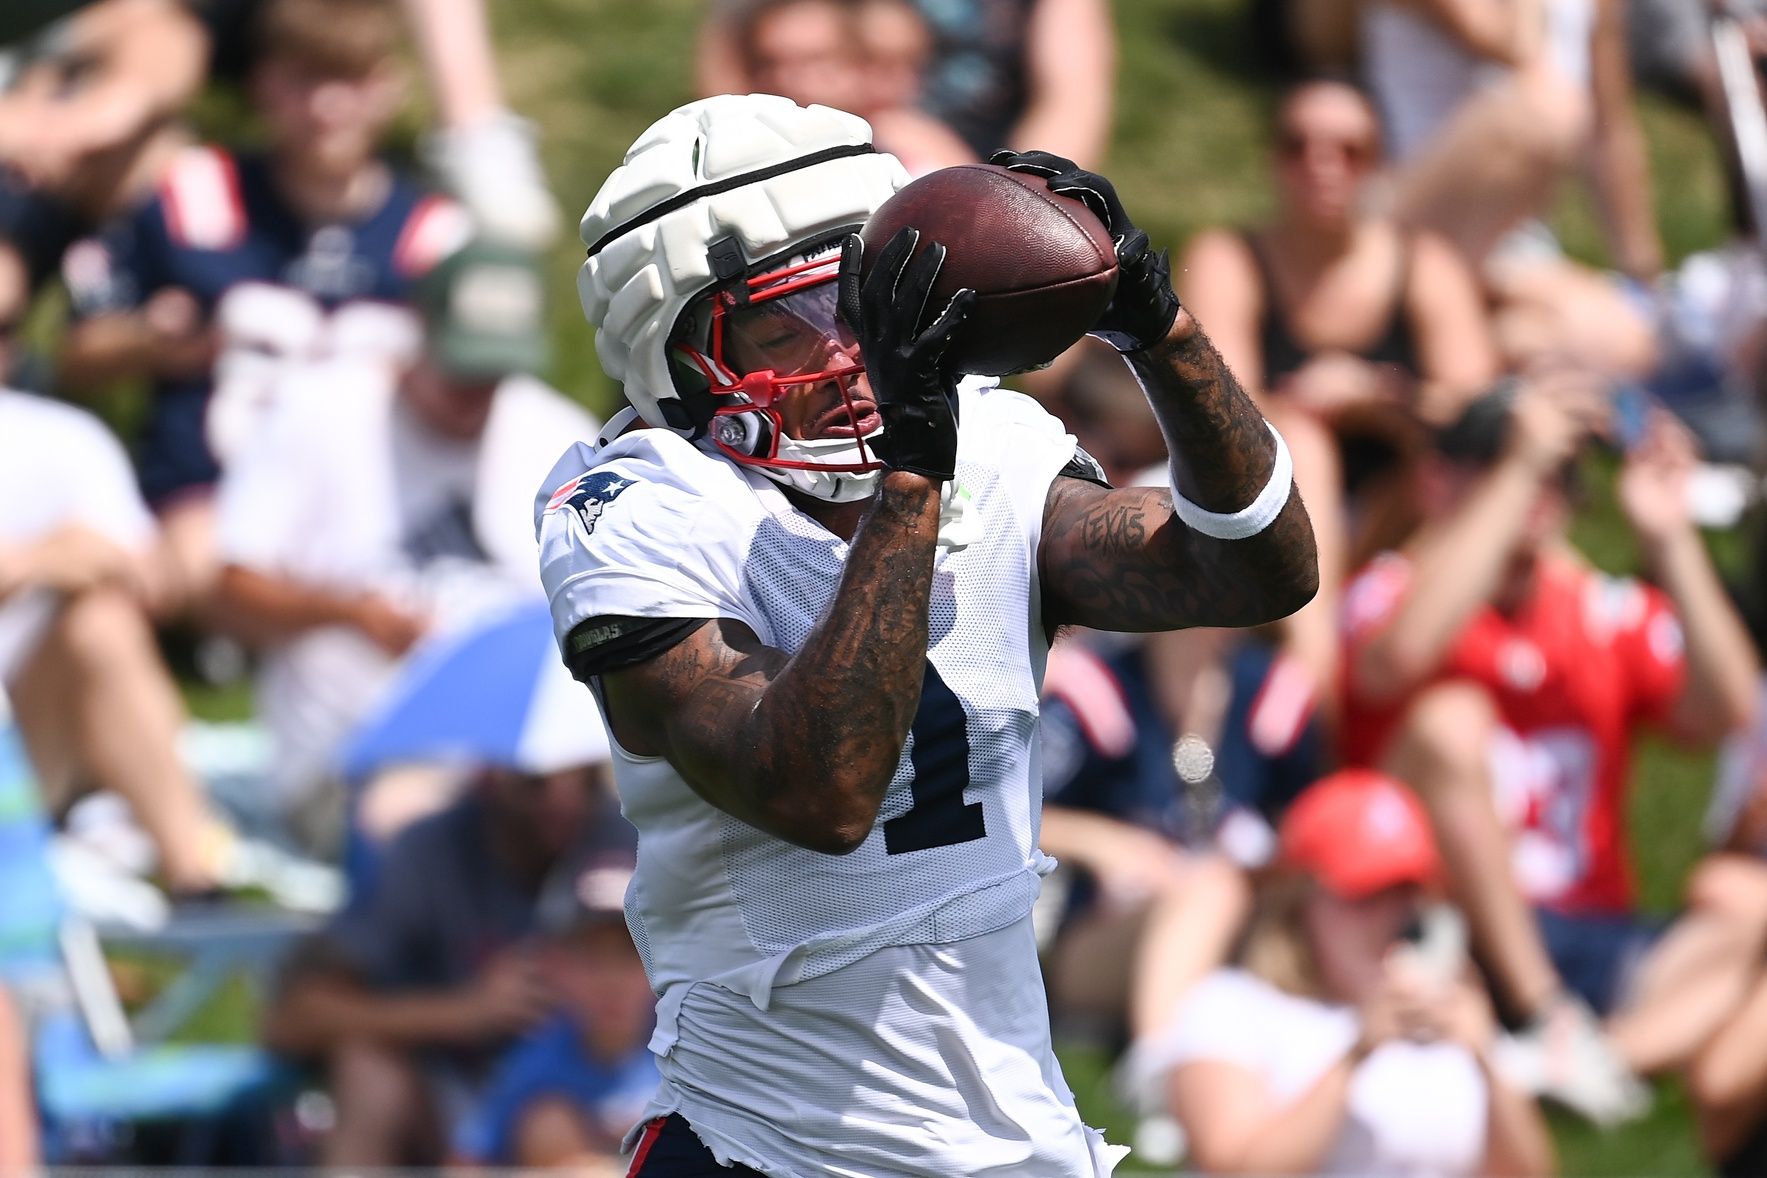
905 362
1144 307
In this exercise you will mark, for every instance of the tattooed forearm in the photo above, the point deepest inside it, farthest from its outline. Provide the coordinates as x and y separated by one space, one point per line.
1221 449
839 712
1121 560
804 747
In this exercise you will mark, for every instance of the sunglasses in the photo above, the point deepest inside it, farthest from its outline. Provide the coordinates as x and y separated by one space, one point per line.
1294 145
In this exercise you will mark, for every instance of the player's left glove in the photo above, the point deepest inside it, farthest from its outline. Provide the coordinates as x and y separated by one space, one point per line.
916 390
1144 307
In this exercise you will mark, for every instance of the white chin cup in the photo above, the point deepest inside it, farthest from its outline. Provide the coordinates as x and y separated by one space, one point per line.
830 486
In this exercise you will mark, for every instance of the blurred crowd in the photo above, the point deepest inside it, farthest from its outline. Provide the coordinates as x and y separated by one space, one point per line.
1351 894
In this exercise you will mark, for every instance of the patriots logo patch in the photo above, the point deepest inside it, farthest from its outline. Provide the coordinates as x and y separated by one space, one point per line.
588 495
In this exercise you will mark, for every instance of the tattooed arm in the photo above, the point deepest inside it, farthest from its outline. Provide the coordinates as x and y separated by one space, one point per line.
804 747
1121 560
801 747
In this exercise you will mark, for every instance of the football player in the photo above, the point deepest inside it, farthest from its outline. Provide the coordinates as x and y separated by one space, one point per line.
815 613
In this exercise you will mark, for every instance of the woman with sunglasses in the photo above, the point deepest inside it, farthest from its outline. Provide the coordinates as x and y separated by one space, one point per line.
1327 307
1348 331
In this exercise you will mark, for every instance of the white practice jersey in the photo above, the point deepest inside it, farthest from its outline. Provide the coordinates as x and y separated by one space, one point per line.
647 525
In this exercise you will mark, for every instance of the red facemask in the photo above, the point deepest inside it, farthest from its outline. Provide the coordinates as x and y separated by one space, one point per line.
784 339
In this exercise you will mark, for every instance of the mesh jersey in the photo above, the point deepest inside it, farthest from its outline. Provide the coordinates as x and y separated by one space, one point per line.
1571 675
649 526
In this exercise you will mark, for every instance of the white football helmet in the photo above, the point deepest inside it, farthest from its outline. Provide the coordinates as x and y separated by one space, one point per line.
713 254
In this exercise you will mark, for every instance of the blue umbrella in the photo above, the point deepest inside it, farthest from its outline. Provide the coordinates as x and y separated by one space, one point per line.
496 693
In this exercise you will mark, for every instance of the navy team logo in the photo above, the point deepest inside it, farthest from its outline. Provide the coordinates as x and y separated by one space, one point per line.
588 495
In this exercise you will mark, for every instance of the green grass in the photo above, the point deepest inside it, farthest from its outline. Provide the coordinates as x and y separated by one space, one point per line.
1188 151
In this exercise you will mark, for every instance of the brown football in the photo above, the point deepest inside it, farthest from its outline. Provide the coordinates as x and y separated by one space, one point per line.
1042 265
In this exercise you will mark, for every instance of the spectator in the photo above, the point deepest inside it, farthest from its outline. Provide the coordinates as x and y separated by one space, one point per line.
568 1093
95 704
18 1107
854 55
238 257
896 49
1669 47
1296 38
1673 50
1488 108
1116 818
807 50
411 993
1736 817
1334 1047
1726 1083
1003 73
484 153
1328 308
379 504
90 122
1345 317
1727 1086
897 44
1503 678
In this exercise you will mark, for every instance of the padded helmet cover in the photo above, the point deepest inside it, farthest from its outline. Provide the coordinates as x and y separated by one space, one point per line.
651 228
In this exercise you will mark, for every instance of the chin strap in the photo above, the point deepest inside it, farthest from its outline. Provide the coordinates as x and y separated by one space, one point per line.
618 424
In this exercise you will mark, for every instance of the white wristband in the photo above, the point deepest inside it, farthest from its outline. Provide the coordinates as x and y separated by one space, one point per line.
1251 519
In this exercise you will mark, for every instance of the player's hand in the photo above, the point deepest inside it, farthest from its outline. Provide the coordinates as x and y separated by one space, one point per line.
1144 307
904 355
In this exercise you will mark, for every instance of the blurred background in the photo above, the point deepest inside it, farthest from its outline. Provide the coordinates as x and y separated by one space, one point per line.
309 853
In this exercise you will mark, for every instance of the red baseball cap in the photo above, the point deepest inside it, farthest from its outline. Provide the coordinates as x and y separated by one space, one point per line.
1357 832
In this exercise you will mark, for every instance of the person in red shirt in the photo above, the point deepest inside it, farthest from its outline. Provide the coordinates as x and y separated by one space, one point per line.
1492 668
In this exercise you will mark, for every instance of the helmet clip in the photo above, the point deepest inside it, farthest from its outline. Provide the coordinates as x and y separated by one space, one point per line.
728 265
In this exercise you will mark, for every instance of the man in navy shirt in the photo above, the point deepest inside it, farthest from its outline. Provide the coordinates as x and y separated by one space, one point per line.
409 996
240 261
567 1094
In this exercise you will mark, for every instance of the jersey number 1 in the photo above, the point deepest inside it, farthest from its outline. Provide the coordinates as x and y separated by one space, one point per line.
939 816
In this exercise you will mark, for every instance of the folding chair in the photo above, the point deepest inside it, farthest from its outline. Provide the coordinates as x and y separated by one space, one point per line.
98 1076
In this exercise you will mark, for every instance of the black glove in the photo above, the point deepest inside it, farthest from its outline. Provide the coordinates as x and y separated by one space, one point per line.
1144 307
916 393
